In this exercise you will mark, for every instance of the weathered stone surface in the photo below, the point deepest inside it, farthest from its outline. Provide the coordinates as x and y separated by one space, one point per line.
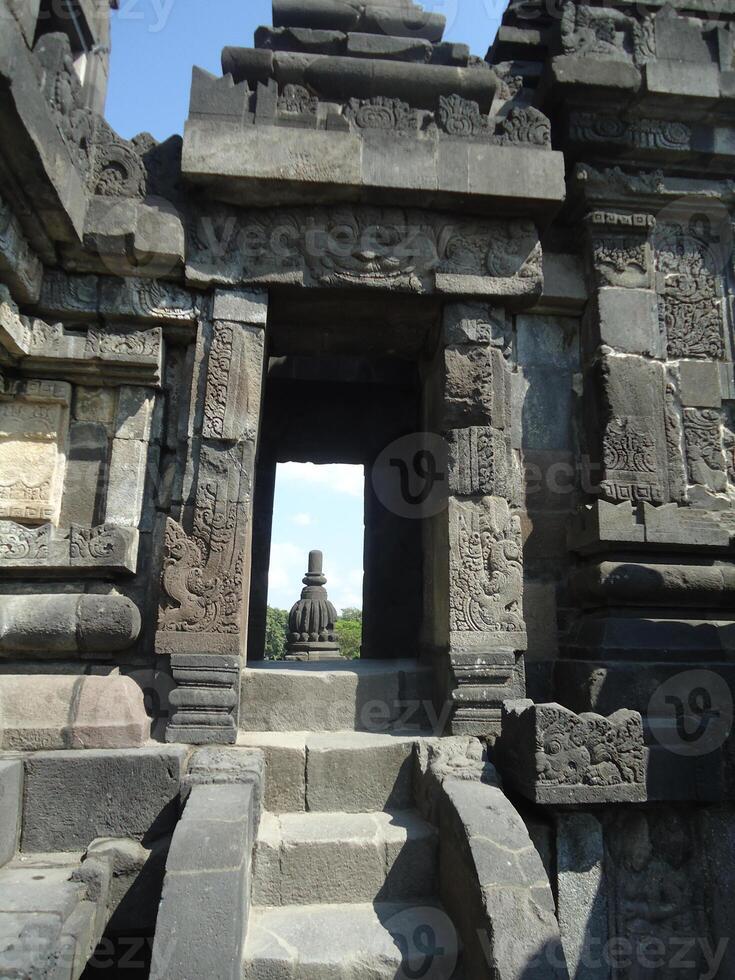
68 623
73 797
206 892
52 711
551 755
51 917
494 259
33 435
356 772
627 319
332 696
582 897
492 880
305 859
320 941
11 807
105 548
285 768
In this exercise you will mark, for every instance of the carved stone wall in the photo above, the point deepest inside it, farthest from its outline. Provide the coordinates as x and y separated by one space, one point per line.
205 574
485 626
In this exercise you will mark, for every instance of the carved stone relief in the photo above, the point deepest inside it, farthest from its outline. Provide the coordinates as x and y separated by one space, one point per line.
621 252
383 248
63 90
486 572
657 899
382 113
604 32
117 169
639 134
33 434
553 755
202 574
703 436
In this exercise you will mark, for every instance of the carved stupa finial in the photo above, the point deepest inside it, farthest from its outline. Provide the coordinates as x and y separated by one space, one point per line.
311 634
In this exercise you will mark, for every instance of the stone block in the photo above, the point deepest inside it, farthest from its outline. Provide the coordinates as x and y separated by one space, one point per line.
73 797
68 623
200 925
700 384
474 323
85 470
471 395
19 264
331 696
305 859
126 482
628 321
548 342
64 711
241 306
582 895
95 405
565 286
216 832
379 941
552 756
11 806
547 403
134 413
618 76
13 327
34 421
692 80
356 772
382 46
285 768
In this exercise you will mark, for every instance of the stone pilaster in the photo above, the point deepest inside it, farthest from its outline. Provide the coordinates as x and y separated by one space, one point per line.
485 625
205 577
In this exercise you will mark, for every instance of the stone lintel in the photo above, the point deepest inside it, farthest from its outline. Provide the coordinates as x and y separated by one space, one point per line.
274 165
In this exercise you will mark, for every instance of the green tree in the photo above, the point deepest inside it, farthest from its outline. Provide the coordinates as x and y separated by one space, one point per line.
350 612
276 633
349 636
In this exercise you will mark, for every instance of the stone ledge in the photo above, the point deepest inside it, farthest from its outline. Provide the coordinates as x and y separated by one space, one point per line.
276 165
52 711
61 553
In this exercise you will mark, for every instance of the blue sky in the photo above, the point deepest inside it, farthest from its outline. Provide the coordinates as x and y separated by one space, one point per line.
317 507
155 43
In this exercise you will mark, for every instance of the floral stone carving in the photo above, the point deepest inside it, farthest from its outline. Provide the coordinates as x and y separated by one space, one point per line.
554 756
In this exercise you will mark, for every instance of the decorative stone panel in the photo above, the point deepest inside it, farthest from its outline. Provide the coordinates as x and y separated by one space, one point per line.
34 420
553 756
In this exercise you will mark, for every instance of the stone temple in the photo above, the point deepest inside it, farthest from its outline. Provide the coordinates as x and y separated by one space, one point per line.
505 288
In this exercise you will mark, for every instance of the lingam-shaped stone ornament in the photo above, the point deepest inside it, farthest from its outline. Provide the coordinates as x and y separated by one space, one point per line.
311 633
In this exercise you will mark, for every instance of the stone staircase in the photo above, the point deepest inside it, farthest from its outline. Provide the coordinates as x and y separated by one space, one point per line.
52 914
345 870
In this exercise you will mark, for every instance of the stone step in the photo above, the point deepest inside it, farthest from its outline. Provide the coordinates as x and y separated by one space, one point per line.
350 772
50 923
342 695
380 941
305 858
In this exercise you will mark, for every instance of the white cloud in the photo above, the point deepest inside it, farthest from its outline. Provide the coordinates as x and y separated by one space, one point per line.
337 477
302 520
287 567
